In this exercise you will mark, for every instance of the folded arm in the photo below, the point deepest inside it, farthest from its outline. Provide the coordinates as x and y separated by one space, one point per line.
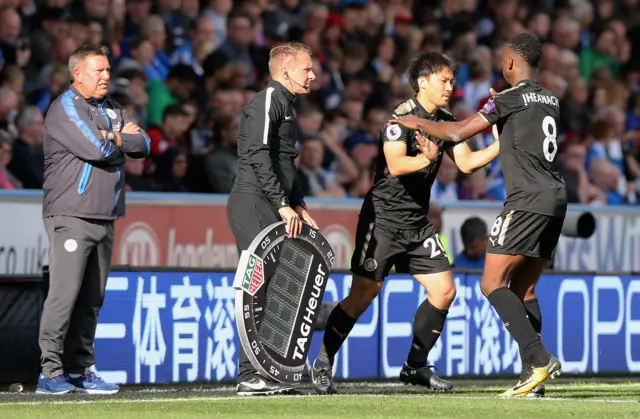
138 145
80 137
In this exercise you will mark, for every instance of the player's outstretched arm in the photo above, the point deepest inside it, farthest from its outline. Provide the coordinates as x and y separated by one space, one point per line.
447 131
469 161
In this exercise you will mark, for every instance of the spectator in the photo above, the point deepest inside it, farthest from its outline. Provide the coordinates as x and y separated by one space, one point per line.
131 83
202 31
179 86
606 176
238 46
10 43
172 169
569 67
573 171
142 55
309 122
474 187
221 164
369 131
603 54
217 11
7 179
9 106
171 133
480 81
44 96
51 26
474 235
574 114
314 180
135 178
445 189
60 52
27 163
155 31
12 76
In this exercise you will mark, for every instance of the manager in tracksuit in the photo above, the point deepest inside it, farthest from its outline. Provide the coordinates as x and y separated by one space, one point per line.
265 190
86 138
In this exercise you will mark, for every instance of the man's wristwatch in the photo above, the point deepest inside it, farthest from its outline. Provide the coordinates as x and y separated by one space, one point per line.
110 136
284 202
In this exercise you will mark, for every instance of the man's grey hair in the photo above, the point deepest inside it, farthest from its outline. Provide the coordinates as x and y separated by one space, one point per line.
5 136
152 24
315 7
27 116
83 53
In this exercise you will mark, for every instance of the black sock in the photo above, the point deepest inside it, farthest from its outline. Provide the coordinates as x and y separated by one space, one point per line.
535 318
427 327
514 316
535 315
339 325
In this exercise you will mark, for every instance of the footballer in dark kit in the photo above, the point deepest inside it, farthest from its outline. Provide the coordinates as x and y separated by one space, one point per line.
393 229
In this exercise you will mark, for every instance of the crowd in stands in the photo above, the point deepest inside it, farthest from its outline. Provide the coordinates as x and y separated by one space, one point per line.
184 69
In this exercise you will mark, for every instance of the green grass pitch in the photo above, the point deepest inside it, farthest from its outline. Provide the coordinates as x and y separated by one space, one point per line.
567 397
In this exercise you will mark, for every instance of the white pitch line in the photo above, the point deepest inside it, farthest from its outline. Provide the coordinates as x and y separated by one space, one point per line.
364 385
551 386
262 399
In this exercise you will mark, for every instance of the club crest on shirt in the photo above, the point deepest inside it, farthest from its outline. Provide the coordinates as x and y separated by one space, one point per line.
393 132
112 114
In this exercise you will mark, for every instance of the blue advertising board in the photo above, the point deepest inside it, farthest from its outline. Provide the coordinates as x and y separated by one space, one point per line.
161 327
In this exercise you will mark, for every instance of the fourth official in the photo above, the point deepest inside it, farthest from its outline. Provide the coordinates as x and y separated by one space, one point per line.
266 190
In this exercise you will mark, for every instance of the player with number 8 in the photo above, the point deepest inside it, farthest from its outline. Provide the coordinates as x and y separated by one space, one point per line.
526 233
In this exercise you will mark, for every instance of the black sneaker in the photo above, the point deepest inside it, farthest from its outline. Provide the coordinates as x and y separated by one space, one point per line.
322 377
259 386
424 377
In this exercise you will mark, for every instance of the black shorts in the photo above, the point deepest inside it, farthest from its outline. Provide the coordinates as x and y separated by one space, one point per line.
525 233
378 248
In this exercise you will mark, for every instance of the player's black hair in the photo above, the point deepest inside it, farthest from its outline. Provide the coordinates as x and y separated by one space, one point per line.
472 228
528 46
427 64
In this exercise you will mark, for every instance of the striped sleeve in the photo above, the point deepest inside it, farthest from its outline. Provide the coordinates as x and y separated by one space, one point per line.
259 117
66 124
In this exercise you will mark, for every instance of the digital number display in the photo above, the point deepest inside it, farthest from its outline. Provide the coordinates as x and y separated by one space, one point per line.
283 296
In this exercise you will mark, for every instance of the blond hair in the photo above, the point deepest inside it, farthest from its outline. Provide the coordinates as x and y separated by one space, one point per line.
283 53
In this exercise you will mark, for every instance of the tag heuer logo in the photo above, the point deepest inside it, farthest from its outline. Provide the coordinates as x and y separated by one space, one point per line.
253 275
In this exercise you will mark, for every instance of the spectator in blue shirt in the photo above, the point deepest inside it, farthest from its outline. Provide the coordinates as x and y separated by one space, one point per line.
474 239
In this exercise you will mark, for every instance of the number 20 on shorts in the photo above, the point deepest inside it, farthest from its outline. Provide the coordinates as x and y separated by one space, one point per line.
435 245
